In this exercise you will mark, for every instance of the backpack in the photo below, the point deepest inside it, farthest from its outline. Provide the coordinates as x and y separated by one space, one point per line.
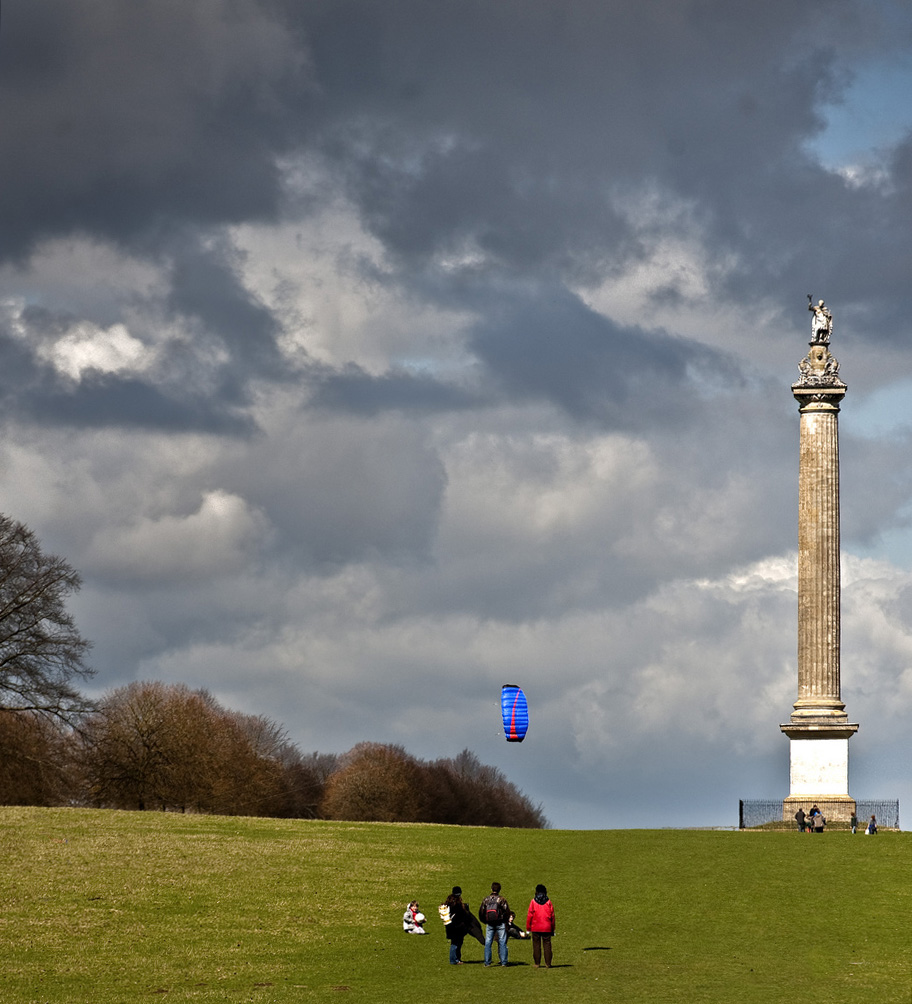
492 911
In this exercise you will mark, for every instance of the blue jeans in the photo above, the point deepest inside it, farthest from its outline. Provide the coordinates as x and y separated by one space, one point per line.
500 930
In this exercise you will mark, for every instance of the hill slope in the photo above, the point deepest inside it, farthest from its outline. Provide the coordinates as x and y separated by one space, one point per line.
115 907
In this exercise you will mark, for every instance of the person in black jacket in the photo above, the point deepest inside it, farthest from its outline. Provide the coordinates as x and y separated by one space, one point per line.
459 921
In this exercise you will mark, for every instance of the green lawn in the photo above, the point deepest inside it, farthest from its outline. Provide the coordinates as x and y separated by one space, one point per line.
118 907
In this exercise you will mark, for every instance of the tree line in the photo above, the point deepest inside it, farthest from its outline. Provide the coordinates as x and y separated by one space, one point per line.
154 745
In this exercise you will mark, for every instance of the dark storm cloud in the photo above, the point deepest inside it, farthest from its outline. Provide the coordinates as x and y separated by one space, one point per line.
152 126
524 134
19 371
118 118
550 346
520 135
539 100
520 128
355 391
205 287
104 400
546 345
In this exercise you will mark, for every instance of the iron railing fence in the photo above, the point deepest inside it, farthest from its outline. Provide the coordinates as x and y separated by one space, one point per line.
756 812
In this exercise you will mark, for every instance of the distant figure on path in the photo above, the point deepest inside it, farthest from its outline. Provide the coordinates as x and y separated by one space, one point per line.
800 818
494 913
853 822
540 921
872 826
819 822
413 919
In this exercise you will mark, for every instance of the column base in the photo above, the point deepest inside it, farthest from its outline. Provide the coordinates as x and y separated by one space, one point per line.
835 808
817 708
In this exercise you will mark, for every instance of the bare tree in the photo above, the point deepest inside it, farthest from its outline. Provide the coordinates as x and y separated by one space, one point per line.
41 651
304 779
164 745
487 798
376 782
129 747
36 760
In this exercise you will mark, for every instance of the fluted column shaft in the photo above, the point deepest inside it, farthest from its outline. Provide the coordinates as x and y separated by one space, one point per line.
818 559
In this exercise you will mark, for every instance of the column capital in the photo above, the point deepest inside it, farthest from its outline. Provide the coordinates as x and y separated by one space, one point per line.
819 387
818 398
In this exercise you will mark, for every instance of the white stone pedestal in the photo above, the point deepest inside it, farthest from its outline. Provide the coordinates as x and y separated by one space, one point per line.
818 767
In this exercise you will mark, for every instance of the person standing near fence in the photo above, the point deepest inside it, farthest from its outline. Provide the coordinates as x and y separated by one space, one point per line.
800 818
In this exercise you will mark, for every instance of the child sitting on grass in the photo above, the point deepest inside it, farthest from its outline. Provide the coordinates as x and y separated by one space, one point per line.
413 920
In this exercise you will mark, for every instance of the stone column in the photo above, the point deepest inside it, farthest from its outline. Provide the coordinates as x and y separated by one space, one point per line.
818 555
818 728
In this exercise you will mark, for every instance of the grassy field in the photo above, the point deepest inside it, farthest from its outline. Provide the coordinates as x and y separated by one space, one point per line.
108 907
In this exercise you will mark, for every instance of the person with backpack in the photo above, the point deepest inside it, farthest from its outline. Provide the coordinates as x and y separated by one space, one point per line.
540 921
494 912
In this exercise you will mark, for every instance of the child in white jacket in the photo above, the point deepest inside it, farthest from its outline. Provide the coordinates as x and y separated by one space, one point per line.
413 920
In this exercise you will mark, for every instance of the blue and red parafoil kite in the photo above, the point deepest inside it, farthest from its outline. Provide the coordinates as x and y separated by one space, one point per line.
515 712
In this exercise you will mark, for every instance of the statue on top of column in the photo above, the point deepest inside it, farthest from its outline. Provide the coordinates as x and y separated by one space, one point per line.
821 323
819 368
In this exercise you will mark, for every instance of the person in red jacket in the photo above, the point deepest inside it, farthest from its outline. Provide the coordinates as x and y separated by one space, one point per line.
541 923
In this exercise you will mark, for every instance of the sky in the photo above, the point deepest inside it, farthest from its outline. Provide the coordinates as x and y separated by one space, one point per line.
365 356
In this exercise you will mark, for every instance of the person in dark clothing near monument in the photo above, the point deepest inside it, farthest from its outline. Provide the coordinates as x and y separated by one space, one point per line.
810 821
799 819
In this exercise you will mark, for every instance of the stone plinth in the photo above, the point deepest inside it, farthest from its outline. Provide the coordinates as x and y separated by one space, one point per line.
835 810
819 766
